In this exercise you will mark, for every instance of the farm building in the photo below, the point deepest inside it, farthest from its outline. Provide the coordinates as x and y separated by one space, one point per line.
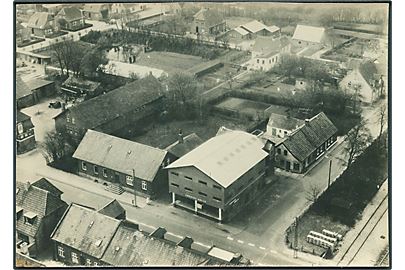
31 92
305 35
267 52
221 176
111 112
114 162
105 241
253 29
208 21
364 82
299 150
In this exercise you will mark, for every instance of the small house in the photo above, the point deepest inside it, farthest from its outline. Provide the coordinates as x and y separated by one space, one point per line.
70 18
25 137
208 21
75 86
305 35
267 52
29 93
42 24
96 12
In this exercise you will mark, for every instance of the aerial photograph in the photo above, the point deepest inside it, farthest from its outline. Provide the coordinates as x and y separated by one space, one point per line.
202 134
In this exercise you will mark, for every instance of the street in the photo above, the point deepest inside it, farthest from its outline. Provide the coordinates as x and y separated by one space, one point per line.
257 232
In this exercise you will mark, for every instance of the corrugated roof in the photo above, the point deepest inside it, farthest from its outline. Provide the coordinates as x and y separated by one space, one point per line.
267 45
254 26
309 33
273 28
225 157
86 230
189 143
120 155
284 122
39 20
241 31
309 137
102 109
35 200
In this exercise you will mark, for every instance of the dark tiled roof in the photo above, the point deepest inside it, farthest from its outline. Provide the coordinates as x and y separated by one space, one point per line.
46 185
71 14
189 143
112 209
120 155
309 137
36 200
86 230
39 20
284 122
104 108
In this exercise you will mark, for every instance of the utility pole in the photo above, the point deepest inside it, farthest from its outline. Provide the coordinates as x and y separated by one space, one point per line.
295 246
330 169
133 184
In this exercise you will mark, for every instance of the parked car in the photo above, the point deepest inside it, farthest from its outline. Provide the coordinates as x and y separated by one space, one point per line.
55 105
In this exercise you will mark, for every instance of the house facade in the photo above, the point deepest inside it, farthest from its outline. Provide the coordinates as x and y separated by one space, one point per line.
70 18
39 208
111 112
221 176
298 151
267 52
42 24
128 165
207 21
282 126
25 137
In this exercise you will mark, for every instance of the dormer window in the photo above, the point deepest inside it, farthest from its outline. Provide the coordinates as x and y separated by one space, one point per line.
18 212
29 218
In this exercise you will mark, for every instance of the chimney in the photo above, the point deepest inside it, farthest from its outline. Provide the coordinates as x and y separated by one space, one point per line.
186 242
27 185
306 121
181 139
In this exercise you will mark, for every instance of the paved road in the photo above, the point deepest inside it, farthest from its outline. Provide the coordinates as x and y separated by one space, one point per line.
257 233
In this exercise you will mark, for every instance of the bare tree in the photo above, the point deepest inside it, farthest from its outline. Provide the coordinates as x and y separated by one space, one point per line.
53 146
357 141
57 50
312 193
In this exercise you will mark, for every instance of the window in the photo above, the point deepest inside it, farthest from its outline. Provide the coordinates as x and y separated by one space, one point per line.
278 151
188 177
285 132
20 128
202 193
217 199
105 172
73 120
95 263
188 189
95 169
258 61
296 166
129 180
88 262
144 185
68 118
75 258
273 131
263 62
217 187
202 182
175 185
61 252
28 220
174 173
285 152
84 166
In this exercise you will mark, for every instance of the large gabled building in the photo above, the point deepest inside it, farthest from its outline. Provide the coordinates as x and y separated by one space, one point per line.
114 161
111 112
221 176
208 21
86 237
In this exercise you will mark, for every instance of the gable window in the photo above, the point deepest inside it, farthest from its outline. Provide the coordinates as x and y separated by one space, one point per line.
105 172
75 258
95 169
84 166
278 151
61 252
285 152
144 185
20 128
130 180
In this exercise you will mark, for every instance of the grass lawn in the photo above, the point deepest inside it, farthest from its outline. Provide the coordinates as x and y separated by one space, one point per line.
162 135
168 61
243 106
